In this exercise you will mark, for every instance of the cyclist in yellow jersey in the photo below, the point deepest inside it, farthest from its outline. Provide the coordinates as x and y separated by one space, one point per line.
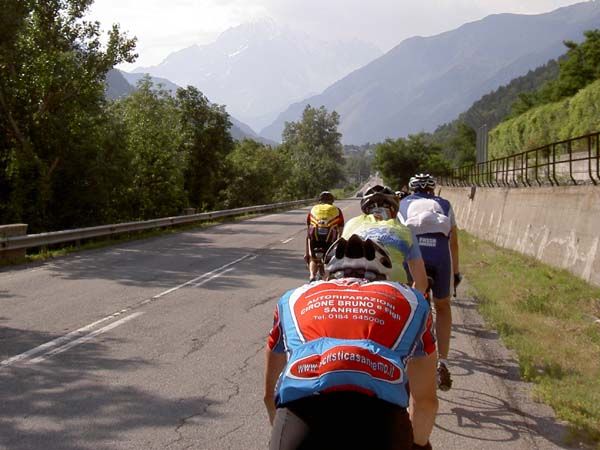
379 222
324 222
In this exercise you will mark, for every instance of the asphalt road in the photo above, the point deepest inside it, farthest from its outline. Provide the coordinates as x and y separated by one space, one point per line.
159 344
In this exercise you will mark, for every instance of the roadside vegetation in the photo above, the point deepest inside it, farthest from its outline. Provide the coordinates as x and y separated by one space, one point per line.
551 319
548 104
70 158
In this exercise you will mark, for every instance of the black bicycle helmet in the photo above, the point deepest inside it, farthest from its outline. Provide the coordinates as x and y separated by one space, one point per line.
357 257
326 197
421 182
379 195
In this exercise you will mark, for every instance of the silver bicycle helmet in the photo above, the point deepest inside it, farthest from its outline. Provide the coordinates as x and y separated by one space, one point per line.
421 182
379 195
359 258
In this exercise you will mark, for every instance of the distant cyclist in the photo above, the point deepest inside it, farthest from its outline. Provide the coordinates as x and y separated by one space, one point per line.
324 222
401 194
432 220
336 373
379 205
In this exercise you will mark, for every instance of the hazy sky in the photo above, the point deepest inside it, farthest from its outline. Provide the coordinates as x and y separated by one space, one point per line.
163 26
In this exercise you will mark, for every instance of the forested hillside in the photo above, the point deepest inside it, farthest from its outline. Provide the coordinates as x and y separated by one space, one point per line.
563 108
493 108
565 119
521 100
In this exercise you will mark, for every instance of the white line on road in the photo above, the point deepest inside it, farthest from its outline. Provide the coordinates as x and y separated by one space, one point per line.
203 276
81 335
212 277
59 341
287 240
85 338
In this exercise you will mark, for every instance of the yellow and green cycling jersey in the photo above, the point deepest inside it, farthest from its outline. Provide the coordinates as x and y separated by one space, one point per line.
397 239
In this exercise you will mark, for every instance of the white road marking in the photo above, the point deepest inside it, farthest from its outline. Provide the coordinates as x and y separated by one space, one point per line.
81 335
84 339
56 342
201 277
287 240
212 277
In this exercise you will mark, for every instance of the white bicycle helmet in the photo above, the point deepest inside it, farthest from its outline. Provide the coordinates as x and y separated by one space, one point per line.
359 258
421 182
379 195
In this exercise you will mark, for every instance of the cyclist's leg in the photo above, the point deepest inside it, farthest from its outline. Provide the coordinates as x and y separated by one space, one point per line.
439 258
313 261
443 309
317 252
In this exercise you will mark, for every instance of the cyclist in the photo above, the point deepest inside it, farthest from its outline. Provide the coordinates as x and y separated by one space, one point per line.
379 222
335 374
401 194
324 222
432 220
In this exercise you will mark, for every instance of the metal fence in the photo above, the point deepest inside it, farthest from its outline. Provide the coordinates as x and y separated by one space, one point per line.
569 162
59 237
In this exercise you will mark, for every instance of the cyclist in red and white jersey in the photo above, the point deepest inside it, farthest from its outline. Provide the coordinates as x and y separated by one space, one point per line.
340 354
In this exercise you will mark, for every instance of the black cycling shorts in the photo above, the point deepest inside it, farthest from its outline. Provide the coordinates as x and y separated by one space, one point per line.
341 421
315 244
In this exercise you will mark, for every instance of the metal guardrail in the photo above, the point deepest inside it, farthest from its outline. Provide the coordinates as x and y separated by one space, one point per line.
58 237
569 162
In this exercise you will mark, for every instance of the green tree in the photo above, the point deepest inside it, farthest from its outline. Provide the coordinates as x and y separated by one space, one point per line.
398 160
256 175
314 150
577 68
463 144
52 72
207 142
154 142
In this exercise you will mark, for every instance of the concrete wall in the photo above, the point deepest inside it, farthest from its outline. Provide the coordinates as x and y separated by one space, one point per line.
557 225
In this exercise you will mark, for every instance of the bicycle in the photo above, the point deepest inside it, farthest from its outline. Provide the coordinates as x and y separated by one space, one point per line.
320 256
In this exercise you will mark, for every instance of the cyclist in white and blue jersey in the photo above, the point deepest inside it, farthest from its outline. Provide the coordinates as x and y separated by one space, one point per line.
432 220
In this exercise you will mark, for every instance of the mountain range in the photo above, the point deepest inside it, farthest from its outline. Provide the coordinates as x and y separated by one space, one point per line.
258 69
427 81
420 84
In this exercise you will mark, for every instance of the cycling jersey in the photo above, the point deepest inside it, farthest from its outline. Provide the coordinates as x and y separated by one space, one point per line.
397 239
349 335
431 219
324 222
427 214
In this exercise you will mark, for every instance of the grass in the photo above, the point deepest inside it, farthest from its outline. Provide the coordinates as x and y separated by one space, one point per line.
548 316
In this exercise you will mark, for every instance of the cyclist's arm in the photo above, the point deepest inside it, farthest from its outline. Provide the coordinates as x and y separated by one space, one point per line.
418 274
454 249
306 250
416 266
423 396
275 364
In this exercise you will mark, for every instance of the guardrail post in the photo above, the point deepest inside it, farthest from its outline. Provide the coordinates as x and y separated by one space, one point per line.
11 230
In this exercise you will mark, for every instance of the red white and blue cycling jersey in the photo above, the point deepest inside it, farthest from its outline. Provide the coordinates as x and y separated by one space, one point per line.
350 335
